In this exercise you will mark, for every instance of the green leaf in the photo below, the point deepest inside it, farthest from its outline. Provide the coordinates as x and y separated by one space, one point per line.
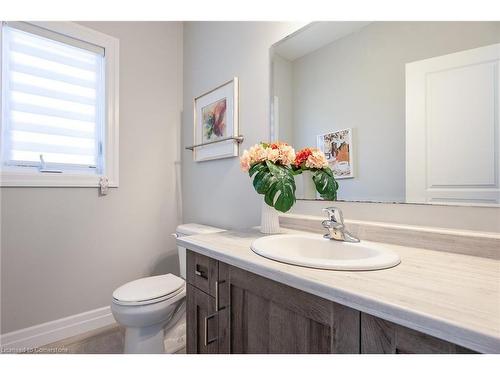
269 198
259 167
325 182
261 179
281 192
283 195
276 183
262 182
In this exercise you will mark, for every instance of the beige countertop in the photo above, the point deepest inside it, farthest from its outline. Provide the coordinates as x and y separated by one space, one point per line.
450 296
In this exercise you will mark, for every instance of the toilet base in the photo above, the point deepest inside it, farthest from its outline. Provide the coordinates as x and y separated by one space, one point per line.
175 337
145 340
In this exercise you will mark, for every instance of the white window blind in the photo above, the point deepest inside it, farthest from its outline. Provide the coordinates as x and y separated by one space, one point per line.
53 100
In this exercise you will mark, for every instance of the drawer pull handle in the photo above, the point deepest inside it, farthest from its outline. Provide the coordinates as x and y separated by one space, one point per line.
209 341
217 284
200 272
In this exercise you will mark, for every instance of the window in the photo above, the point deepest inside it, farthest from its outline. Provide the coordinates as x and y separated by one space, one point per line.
59 105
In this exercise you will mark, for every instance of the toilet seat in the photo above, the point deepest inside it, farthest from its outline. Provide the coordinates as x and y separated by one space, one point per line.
149 290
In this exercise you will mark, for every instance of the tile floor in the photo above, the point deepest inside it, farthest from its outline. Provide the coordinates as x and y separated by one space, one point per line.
106 340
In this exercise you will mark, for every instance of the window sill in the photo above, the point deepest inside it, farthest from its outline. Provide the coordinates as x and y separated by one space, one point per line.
31 179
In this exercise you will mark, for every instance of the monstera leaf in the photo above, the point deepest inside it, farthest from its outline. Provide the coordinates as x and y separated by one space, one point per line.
262 177
276 183
325 182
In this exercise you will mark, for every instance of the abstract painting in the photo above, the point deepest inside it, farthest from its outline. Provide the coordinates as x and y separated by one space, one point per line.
338 148
216 122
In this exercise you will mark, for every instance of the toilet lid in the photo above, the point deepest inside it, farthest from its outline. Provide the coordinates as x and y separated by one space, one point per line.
148 288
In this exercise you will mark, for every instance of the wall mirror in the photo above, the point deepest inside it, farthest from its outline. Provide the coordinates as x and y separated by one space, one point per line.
404 111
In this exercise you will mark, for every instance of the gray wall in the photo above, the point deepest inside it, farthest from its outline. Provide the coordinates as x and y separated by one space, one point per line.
217 192
359 82
64 250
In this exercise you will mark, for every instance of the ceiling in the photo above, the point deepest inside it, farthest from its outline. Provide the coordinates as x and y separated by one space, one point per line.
314 36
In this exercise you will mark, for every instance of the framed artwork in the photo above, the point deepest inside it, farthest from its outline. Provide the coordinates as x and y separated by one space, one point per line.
338 148
216 122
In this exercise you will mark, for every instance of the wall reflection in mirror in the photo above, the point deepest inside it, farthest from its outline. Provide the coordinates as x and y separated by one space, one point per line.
404 111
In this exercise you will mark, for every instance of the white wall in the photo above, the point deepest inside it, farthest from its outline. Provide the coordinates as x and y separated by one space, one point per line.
64 250
217 192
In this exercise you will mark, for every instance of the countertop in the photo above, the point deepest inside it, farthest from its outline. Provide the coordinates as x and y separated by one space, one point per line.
450 296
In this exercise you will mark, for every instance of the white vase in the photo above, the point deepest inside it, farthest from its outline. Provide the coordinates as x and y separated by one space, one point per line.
269 219
308 184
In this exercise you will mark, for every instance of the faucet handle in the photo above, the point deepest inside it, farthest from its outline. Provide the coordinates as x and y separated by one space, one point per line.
334 214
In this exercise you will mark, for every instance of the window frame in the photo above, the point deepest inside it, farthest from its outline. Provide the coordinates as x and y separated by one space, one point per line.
31 176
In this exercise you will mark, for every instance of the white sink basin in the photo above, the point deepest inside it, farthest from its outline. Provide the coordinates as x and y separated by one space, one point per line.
314 251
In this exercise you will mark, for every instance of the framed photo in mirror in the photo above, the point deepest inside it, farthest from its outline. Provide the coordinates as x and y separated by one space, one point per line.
338 149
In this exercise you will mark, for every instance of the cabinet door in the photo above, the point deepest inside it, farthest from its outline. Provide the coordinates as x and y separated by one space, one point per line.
379 336
201 321
265 316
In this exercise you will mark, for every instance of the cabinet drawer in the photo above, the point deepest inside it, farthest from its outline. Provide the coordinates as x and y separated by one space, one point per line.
201 272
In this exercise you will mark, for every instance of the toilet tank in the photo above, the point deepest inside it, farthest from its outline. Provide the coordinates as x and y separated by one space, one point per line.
189 230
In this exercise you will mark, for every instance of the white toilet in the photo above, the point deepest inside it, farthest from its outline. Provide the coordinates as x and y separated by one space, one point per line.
150 307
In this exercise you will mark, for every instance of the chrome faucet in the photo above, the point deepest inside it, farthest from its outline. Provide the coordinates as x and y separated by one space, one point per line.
336 227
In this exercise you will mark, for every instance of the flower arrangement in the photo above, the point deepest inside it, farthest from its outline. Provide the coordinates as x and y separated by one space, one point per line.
277 153
314 160
310 158
270 165
274 165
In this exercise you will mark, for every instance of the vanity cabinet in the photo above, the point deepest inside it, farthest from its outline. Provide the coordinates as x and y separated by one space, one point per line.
263 316
230 310
235 311
378 336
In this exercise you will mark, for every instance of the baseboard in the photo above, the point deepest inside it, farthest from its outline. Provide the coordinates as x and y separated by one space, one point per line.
46 333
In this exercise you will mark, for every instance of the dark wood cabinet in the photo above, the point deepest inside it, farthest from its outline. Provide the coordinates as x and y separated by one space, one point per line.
378 336
264 316
201 272
230 310
235 311
202 322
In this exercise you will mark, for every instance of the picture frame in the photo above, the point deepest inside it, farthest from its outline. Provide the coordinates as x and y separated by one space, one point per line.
338 148
216 125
